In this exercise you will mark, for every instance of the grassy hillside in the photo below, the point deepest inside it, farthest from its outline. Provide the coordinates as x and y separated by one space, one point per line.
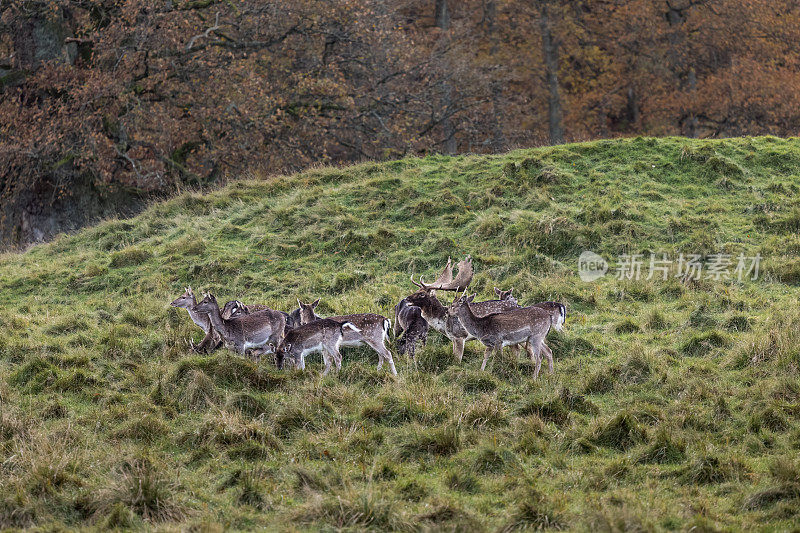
656 417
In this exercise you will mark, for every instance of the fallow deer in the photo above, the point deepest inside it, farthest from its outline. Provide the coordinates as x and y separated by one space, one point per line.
246 332
436 314
323 335
524 325
236 308
413 328
372 331
212 340
505 295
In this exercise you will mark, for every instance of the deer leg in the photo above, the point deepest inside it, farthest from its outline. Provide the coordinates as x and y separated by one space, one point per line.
515 349
486 354
458 349
549 354
337 359
200 348
536 358
383 355
326 358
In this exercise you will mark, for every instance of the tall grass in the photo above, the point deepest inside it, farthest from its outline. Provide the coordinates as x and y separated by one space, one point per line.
674 404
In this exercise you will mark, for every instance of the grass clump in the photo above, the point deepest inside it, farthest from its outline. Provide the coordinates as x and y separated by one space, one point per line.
703 343
130 256
621 432
535 512
140 486
441 441
664 449
361 510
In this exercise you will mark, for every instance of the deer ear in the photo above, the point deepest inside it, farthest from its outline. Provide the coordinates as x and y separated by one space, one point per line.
469 300
315 304
299 303
497 291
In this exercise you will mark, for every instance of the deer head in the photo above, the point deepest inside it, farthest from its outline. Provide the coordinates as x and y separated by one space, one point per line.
207 305
233 309
459 302
185 300
445 281
504 295
307 313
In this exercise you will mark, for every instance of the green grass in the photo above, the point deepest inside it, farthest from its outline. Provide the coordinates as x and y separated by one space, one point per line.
674 405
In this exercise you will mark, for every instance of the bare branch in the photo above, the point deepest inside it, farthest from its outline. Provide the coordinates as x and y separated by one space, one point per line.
205 34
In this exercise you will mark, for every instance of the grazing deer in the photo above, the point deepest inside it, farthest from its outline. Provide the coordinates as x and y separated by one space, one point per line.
524 325
236 308
413 328
245 332
322 335
212 340
372 331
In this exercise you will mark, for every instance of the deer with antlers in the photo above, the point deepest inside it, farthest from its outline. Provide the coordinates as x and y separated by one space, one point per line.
435 313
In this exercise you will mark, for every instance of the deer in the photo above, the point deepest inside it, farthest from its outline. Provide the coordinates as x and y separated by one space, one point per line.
212 340
323 335
372 331
524 325
235 308
505 295
435 313
413 328
246 332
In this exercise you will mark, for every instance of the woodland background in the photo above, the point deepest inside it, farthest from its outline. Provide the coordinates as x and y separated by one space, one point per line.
105 104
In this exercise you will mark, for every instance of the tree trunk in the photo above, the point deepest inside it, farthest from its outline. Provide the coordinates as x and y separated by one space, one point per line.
550 51
449 143
442 15
498 140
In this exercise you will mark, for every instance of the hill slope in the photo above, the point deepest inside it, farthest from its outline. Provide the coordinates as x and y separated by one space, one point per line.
656 415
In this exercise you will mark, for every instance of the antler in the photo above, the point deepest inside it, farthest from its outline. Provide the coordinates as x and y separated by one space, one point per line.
445 281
